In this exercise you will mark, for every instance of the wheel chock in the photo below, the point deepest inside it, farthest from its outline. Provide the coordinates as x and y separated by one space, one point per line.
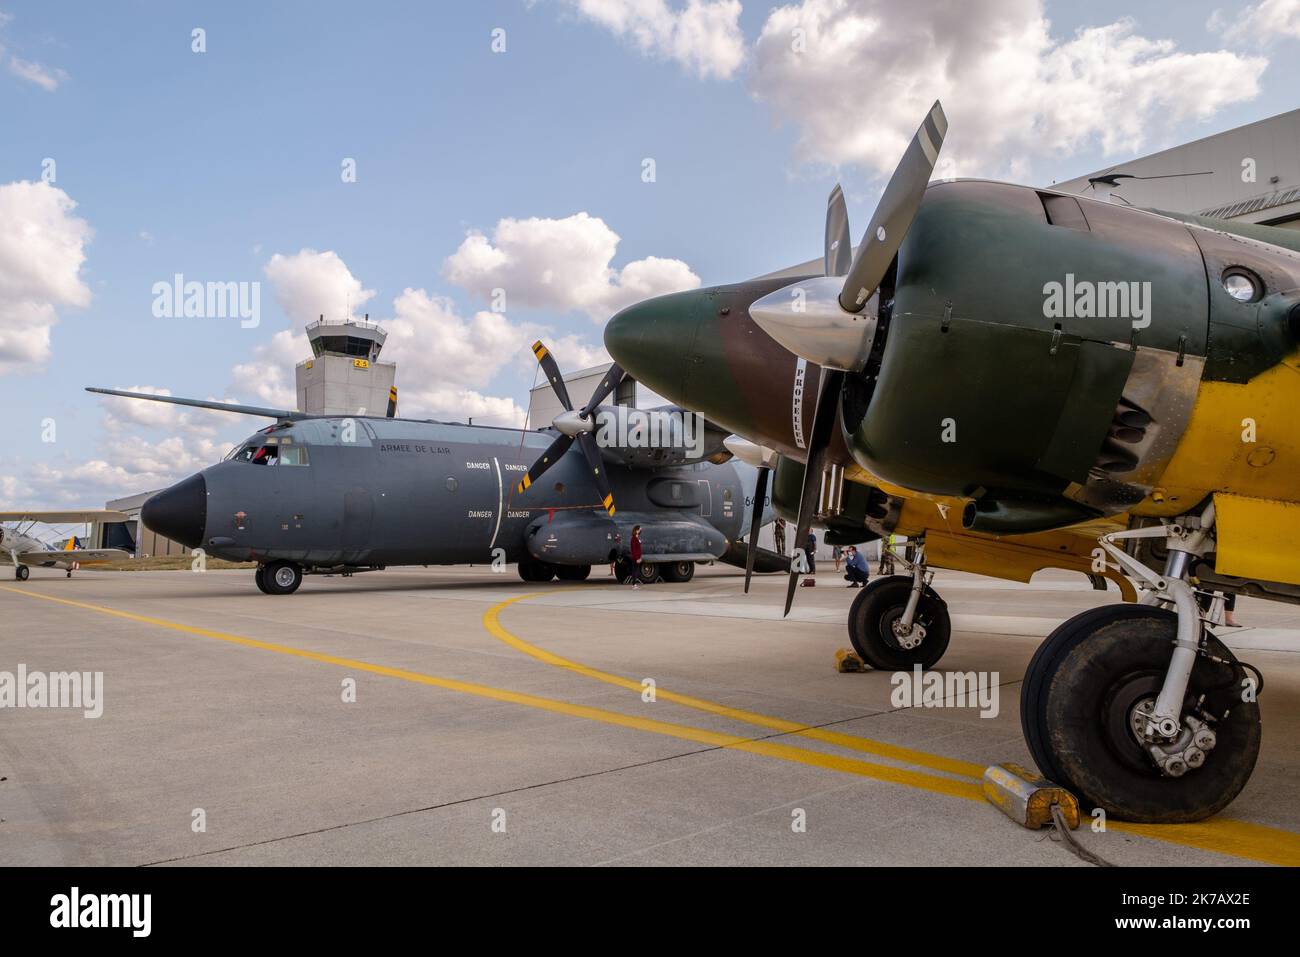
847 661
1027 797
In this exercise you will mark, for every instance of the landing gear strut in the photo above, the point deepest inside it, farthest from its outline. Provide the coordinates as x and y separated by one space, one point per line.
1139 709
899 621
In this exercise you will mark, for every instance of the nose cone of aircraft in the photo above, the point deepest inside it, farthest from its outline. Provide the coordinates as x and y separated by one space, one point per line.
703 351
180 512
654 341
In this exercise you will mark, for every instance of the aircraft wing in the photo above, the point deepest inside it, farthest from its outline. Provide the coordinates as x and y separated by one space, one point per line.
285 415
55 517
73 555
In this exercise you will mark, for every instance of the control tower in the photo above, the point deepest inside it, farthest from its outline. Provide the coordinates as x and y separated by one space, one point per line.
344 375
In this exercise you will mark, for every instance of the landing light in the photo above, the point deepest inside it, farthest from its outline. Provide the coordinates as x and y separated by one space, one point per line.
1241 285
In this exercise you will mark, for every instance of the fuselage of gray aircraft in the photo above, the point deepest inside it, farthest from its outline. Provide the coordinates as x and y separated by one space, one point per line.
362 492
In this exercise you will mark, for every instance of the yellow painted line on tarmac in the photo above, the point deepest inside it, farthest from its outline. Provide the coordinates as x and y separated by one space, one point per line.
492 622
1256 842
1224 836
770 749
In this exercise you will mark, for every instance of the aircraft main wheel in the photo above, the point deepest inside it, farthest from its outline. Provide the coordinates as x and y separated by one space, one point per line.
572 573
879 604
22 572
259 576
648 571
535 571
1080 710
622 569
282 578
678 572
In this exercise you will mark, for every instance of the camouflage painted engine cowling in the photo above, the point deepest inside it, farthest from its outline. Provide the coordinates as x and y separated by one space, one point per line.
1035 347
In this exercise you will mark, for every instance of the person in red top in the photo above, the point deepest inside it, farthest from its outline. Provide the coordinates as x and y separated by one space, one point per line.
636 556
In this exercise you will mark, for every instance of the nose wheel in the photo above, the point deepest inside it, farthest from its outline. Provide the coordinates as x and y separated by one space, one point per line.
881 634
1087 708
278 578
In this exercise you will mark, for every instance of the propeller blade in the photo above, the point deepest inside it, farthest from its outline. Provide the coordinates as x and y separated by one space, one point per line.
587 442
612 379
392 402
895 212
553 374
548 458
755 524
828 404
839 248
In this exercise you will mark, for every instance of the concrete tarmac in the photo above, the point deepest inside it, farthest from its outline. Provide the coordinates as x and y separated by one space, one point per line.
458 716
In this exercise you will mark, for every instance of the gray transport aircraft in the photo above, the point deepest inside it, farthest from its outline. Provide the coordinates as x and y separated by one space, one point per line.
329 494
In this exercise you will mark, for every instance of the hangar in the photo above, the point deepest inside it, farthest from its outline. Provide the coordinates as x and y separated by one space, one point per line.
1251 174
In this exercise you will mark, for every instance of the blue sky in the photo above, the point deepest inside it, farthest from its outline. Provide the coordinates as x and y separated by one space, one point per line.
210 164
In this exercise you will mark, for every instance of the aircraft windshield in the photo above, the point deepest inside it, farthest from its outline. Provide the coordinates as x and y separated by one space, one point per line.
270 450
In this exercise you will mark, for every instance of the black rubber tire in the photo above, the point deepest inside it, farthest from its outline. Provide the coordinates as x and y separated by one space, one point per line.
282 578
22 573
572 573
649 572
1079 680
261 580
677 572
877 605
535 571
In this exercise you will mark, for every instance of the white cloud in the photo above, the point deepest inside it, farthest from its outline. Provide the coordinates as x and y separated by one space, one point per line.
561 264
42 248
47 78
444 360
122 414
1259 23
1013 92
309 284
268 378
123 466
703 36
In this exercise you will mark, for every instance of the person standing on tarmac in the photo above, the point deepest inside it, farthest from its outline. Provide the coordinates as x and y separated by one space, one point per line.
810 551
636 556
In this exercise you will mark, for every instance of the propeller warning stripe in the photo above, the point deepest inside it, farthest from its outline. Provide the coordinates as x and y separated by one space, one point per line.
552 370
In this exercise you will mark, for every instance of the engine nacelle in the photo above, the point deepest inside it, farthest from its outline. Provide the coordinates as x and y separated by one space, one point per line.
1040 353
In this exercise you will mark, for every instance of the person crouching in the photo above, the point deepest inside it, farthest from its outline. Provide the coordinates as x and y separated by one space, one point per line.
856 570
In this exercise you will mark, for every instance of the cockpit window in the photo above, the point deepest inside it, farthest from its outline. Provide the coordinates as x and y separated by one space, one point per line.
271 450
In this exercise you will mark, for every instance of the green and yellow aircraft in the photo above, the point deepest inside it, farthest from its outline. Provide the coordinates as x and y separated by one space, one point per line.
1021 379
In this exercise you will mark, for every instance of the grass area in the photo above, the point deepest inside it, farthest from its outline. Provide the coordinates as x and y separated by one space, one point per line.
164 563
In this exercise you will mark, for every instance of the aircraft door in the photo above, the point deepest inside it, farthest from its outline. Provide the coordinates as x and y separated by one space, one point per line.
706 497
358 515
